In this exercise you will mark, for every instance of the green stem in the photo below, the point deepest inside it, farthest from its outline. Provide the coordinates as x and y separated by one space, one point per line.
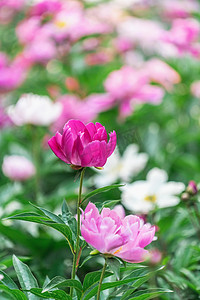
76 252
101 279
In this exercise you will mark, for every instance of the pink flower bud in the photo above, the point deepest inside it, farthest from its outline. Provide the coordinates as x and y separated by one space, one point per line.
83 145
111 235
17 168
192 188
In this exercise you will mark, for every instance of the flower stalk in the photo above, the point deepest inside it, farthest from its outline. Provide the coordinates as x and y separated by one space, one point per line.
76 251
101 280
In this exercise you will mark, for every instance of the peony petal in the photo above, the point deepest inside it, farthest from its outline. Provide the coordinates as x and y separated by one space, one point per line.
91 211
54 144
91 129
94 239
67 142
94 154
76 126
113 241
131 254
112 143
147 237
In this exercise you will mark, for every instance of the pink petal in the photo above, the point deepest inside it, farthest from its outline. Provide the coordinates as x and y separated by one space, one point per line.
94 239
55 145
146 238
91 129
113 241
91 211
132 255
94 154
112 143
76 126
67 142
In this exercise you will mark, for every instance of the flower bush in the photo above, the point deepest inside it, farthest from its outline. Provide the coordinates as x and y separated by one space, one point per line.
86 214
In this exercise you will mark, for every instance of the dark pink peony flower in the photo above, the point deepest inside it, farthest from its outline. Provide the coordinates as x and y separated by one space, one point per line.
110 234
83 145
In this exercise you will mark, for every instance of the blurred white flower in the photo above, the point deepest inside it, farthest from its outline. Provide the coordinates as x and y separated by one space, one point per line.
142 196
123 168
34 109
17 167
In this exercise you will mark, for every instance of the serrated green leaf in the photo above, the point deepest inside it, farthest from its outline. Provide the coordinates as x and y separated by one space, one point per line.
57 295
101 190
14 293
25 277
59 281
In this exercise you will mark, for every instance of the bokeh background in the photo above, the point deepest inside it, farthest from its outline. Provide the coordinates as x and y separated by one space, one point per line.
133 66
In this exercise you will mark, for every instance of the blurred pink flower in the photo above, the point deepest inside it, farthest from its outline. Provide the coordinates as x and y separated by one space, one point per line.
111 234
129 86
72 84
83 145
85 110
5 121
17 168
184 35
154 256
192 188
8 8
120 211
98 58
160 72
178 8
195 88
28 29
46 7
40 50
12 74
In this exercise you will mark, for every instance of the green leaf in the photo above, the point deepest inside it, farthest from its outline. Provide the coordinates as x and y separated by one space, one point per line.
14 293
114 265
49 214
25 277
59 281
93 277
7 281
57 295
149 294
33 217
106 286
69 219
101 190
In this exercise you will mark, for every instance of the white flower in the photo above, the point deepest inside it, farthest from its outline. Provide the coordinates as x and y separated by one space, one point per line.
142 196
123 168
34 109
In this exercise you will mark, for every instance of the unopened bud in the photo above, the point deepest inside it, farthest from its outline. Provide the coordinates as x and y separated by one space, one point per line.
192 188
94 252
185 196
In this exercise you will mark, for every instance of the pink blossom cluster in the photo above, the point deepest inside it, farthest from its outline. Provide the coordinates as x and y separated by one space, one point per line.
110 234
184 35
12 74
54 24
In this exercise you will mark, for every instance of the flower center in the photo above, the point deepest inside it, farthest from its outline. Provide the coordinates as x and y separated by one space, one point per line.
150 198
117 251
60 24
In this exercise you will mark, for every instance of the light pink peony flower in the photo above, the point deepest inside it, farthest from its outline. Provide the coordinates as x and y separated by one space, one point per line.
184 35
46 7
17 168
173 9
121 237
160 72
83 145
195 88
130 86
12 74
85 110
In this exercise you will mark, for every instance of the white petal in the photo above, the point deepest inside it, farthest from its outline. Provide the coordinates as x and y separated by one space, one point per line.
167 201
172 188
157 176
